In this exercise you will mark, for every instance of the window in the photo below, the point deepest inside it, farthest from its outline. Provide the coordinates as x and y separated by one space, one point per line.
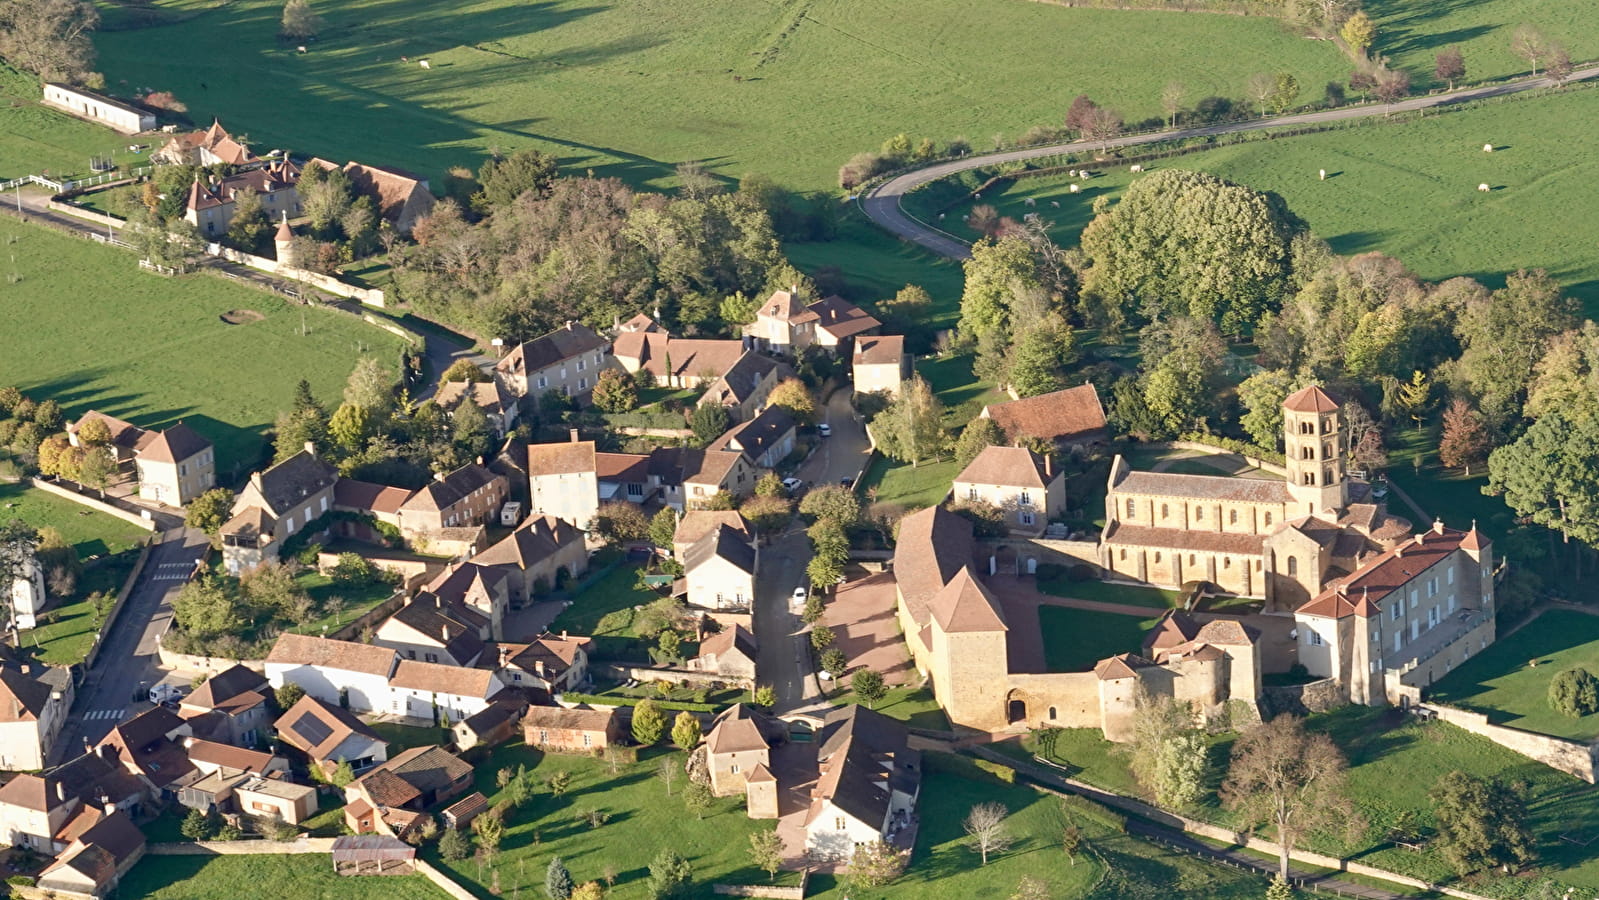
1307 452
543 382
1157 557
290 521
838 824
1232 517
183 471
1190 559
1307 428
1268 520
544 736
1415 628
1124 554
1399 641
733 768
1052 713
516 676
1451 603
1199 514
1313 637
1451 579
971 494
1163 511
635 490
410 654
582 384
1226 562
1024 499
599 357
1129 509
588 739
1414 598
1293 566
1026 517
1395 611
1432 587
1432 617
580 365
430 657
1309 478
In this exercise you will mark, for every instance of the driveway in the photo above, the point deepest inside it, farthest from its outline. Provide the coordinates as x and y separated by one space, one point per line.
783 651
128 660
844 454
881 202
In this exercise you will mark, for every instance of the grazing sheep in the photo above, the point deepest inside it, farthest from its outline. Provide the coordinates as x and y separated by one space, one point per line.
423 63
1072 173
940 217
1135 168
977 196
300 49
1323 174
1030 202
1483 187
1487 148
1055 203
1076 188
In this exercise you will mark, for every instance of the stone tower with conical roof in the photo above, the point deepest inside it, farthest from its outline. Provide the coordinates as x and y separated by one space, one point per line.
284 242
1314 447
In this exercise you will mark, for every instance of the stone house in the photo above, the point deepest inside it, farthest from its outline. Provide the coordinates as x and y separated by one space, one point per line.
211 147
210 204
623 476
126 437
697 523
559 729
1025 487
274 506
675 362
839 323
113 114
231 706
485 590
551 663
34 702
783 324
392 797
424 690
765 440
743 388
738 755
328 735
868 783
431 630
544 551
567 361
498 404
562 481
690 477
150 747
880 364
175 466
719 571
401 198
330 670
94 863
494 725
1070 419
730 653
470 495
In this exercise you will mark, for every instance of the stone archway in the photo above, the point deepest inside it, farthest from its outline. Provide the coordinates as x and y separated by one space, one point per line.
1020 707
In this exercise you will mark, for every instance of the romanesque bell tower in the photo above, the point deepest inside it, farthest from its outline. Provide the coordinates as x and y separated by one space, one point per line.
1313 444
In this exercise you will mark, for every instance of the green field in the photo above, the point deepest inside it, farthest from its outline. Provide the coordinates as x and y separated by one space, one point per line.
1411 32
90 533
1408 189
790 88
101 334
1500 682
300 877
1075 639
34 138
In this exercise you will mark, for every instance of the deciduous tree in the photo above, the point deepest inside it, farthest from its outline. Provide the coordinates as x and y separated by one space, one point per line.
50 38
792 396
1574 693
1449 66
986 829
1172 98
874 864
1465 438
1505 335
615 391
1169 752
868 686
1289 779
1529 43
911 429
662 527
833 502
299 21
766 851
686 730
1482 822
1359 32
462 370
671 876
619 522
698 798
708 421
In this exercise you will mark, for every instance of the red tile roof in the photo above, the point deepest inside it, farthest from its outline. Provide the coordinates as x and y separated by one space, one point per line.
1388 572
1310 400
1074 413
1007 467
964 605
841 318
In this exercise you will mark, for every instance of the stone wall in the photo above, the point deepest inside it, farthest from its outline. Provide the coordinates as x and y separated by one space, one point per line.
369 296
116 608
207 665
1257 462
1073 696
762 890
1065 553
1571 757
1302 699
84 212
243 848
675 676
92 503
351 630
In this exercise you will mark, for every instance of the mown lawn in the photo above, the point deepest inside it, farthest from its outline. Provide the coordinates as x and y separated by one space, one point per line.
300 877
1105 592
100 334
915 706
35 138
1395 187
681 80
604 611
89 532
1075 639
1500 682
964 395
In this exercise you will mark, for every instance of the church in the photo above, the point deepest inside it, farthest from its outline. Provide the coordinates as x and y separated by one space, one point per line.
1277 540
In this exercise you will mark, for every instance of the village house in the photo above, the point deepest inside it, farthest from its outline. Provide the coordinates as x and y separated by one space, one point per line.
400 198
562 730
468 496
868 783
435 692
150 746
94 863
494 725
675 362
126 437
218 769
231 706
839 323
730 653
211 147
551 663
765 440
562 481
743 388
429 629
392 798
783 325
35 811
113 114
485 590
1025 487
880 364
1070 419
498 404
339 673
329 735
566 361
210 204
542 553
272 797
34 702
689 477
719 571
738 756
623 476
695 524
175 466
274 506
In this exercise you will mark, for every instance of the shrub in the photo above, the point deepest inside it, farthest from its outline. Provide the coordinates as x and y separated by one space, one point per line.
1080 572
1050 571
1574 693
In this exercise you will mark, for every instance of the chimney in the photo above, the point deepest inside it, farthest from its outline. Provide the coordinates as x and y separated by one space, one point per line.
1049 467
61 792
572 432
444 634
563 634
255 480
438 476
310 448
538 666
188 742
1438 526
568 324
505 657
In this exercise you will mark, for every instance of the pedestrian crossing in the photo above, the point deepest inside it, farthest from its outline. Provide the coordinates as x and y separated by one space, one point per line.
103 714
172 571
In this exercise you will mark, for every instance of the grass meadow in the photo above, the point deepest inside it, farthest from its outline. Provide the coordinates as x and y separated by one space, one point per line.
1076 639
90 330
1408 189
306 876
1500 682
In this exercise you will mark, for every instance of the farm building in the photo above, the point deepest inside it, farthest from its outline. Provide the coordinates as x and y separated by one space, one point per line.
113 114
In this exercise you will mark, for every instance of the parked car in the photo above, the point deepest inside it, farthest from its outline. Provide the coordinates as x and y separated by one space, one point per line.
792 485
825 430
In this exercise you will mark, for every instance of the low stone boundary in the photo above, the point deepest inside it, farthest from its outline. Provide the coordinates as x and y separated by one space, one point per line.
92 503
209 665
789 892
1302 699
676 676
1204 829
300 846
116 607
1571 757
443 881
1264 465
85 213
369 296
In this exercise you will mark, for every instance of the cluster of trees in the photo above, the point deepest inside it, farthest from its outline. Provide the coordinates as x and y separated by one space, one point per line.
516 251
24 424
51 39
897 152
833 510
342 224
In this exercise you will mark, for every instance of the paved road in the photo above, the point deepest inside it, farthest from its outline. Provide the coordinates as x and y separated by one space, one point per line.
845 453
882 203
783 659
128 659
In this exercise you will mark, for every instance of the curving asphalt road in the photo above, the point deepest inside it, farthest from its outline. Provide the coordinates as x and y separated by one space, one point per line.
882 203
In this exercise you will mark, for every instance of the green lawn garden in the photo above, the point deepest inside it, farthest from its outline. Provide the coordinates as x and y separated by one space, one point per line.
1075 639
100 334
964 395
604 611
35 138
90 533
306 876
915 706
1407 188
1500 682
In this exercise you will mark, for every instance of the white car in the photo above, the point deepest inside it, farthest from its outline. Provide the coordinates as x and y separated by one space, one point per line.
801 595
792 484
825 430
